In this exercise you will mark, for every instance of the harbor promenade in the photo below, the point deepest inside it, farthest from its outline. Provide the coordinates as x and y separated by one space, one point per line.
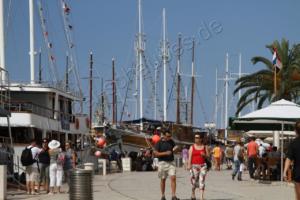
145 186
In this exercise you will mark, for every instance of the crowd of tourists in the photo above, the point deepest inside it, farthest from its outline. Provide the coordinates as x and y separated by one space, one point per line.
47 166
50 164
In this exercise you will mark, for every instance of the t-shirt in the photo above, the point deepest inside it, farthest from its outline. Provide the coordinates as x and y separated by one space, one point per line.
35 152
294 154
261 150
217 152
228 152
44 157
163 146
252 148
68 159
237 151
185 154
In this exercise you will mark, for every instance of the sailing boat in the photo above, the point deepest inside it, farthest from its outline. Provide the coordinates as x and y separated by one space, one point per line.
136 134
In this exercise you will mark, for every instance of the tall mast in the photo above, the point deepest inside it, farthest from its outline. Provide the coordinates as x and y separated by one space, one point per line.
2 42
67 72
102 102
155 91
140 52
240 75
31 38
136 96
165 60
91 88
216 99
193 82
114 93
226 96
178 81
186 104
40 66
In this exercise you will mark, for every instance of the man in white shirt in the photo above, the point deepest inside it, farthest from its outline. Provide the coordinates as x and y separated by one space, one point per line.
32 171
261 150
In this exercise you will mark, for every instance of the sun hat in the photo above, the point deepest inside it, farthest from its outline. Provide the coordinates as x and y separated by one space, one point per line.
54 144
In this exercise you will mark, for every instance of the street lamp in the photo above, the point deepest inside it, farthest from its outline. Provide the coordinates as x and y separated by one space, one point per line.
210 126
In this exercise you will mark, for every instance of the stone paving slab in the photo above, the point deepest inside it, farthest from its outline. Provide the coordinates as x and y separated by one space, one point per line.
145 186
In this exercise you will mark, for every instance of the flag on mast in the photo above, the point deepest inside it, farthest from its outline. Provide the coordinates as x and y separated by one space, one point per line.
276 60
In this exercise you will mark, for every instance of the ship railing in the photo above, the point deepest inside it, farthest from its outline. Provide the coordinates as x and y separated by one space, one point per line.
46 84
4 88
29 107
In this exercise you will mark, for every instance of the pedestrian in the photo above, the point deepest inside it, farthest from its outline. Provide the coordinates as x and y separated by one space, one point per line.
70 160
252 152
185 156
293 155
217 154
198 152
29 160
44 164
261 150
228 156
56 166
164 150
238 160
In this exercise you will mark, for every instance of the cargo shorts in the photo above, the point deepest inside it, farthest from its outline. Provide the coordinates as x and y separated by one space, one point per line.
166 168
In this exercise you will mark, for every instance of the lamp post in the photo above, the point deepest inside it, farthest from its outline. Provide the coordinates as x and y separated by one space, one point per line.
210 126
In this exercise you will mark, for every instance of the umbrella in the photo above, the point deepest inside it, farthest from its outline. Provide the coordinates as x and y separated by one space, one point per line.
280 114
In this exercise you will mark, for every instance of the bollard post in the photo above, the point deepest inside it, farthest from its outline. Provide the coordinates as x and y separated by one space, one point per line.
103 161
3 181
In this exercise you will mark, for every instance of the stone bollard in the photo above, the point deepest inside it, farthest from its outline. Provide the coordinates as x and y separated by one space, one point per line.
3 181
103 164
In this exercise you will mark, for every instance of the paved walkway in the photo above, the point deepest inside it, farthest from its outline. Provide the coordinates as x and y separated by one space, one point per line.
145 186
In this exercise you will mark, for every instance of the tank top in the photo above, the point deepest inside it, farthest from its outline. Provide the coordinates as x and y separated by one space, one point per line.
197 159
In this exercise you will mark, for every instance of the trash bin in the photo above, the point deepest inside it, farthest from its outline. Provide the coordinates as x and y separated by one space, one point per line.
178 162
81 185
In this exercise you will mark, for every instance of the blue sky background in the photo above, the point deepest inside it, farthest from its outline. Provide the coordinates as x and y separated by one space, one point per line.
108 28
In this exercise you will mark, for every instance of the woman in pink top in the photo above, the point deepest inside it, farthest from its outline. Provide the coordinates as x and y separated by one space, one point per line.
197 165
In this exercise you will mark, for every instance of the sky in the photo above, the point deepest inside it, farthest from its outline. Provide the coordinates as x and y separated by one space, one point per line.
108 29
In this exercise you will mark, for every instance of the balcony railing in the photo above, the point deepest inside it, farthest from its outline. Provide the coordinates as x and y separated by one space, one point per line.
29 107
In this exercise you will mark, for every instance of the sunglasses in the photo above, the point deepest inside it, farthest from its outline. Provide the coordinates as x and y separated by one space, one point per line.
168 136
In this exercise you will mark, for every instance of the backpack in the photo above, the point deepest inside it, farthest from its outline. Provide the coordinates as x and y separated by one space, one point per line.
60 160
26 157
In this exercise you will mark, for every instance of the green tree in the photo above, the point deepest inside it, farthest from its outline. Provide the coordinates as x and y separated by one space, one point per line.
259 86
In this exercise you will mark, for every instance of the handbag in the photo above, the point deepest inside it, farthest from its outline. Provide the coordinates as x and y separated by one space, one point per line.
208 163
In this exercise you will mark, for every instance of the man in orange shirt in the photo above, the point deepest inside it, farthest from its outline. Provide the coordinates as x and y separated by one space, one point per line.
252 151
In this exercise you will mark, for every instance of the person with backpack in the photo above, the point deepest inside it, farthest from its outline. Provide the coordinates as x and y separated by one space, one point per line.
198 153
44 164
56 165
29 160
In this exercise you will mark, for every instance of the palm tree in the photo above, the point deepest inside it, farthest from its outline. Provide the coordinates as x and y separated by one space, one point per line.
259 86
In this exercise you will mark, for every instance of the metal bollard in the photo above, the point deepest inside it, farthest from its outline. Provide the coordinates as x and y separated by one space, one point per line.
81 185
178 162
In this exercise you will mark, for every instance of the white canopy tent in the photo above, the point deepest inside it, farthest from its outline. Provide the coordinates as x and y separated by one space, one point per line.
281 113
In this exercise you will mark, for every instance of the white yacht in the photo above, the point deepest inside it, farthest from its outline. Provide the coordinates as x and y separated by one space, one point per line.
37 109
